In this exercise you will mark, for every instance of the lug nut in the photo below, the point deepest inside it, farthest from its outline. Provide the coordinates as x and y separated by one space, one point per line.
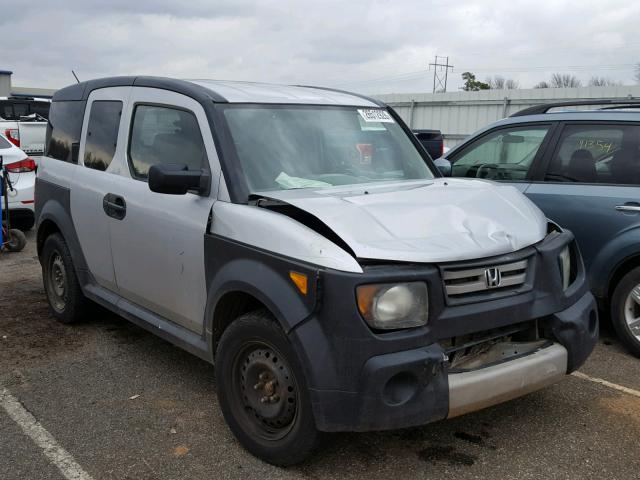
264 400
258 386
274 398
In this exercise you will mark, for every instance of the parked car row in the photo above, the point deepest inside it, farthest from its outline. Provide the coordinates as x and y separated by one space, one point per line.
302 240
21 170
23 121
582 169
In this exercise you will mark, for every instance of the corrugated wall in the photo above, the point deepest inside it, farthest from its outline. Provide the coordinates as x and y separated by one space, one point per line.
459 114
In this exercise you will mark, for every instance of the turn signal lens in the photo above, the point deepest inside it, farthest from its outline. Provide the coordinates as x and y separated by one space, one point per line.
300 280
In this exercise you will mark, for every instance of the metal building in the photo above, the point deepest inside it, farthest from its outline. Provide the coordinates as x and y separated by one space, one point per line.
459 114
9 90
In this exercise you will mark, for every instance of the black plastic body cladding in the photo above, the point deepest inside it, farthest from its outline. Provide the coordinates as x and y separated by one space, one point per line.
348 365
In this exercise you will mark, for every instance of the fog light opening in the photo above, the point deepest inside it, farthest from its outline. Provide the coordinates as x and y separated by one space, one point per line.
400 388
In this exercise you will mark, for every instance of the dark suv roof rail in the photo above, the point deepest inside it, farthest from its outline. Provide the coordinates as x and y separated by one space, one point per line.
612 103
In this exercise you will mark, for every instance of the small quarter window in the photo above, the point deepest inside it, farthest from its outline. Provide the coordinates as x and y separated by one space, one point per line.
102 134
63 130
164 135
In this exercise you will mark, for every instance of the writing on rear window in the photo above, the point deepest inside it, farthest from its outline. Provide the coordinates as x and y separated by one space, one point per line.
375 115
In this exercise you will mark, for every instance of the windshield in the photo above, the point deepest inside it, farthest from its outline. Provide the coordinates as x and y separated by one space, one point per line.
283 147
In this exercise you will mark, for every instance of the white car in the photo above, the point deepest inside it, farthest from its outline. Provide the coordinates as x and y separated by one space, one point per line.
22 175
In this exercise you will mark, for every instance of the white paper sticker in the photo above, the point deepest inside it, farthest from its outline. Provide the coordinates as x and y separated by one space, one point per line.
375 115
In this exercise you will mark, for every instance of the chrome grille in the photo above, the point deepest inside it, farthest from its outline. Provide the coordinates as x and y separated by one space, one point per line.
479 279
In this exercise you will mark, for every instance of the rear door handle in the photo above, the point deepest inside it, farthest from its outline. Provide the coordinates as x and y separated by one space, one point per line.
114 206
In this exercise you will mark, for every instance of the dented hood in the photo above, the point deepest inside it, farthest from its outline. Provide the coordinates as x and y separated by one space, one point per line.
439 220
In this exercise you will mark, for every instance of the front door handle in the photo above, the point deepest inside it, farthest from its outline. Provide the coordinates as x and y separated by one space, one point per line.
114 206
628 207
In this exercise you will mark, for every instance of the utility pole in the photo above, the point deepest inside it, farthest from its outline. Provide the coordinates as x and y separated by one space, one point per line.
440 80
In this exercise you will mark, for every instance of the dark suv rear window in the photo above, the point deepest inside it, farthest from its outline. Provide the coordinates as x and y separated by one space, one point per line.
102 134
14 109
63 131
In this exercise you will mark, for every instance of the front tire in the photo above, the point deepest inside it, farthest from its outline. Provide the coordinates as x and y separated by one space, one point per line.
625 310
262 391
66 300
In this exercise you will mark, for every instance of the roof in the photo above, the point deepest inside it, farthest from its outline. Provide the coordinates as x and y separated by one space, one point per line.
222 91
564 115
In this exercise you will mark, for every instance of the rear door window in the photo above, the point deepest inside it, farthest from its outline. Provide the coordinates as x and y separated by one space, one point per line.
102 134
597 154
164 135
504 154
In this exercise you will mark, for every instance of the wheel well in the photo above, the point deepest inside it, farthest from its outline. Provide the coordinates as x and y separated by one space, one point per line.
621 270
46 228
229 307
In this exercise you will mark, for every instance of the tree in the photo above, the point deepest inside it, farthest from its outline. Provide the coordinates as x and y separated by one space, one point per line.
471 84
560 80
564 80
603 82
501 83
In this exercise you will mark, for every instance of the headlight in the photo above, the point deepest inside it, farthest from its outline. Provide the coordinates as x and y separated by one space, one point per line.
394 305
564 259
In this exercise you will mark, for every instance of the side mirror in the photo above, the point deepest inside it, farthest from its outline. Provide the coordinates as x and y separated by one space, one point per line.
444 166
177 179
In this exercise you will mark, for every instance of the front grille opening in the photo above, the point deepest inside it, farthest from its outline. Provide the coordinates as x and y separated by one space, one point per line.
491 347
461 282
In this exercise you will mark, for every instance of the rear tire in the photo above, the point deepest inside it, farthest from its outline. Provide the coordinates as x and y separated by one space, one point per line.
17 240
262 391
625 310
61 285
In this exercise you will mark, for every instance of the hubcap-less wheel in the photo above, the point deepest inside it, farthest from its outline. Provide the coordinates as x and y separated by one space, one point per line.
57 282
632 311
266 390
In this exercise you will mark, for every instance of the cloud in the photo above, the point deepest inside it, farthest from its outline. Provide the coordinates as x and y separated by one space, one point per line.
369 46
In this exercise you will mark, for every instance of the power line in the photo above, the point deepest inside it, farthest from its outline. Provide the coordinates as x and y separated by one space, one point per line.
536 68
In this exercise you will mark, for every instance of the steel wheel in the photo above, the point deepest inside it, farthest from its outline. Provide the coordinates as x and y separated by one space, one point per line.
632 311
56 282
266 391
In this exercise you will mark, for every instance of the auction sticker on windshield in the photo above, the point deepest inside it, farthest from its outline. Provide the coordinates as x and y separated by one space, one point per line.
375 115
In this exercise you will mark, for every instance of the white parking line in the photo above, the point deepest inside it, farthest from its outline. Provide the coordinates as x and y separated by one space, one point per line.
36 432
614 386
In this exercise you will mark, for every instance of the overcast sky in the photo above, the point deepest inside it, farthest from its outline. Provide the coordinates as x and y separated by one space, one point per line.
366 46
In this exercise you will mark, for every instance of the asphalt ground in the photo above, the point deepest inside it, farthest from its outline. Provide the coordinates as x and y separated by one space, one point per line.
123 404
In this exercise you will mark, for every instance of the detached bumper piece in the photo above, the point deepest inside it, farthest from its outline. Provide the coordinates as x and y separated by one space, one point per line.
471 391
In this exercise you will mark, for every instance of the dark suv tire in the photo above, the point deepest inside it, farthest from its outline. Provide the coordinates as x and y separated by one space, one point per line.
65 297
262 391
625 310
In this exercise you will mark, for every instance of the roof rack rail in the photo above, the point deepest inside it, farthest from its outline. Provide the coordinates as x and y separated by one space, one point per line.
610 102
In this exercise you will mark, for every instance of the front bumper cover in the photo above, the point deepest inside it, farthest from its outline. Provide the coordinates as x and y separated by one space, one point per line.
362 380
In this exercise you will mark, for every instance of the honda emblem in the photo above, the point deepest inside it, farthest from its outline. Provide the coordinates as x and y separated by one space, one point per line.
492 277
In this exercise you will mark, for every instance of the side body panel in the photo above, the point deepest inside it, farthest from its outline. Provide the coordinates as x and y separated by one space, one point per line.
605 235
158 248
89 189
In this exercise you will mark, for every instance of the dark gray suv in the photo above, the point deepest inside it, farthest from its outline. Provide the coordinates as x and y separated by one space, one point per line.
582 168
